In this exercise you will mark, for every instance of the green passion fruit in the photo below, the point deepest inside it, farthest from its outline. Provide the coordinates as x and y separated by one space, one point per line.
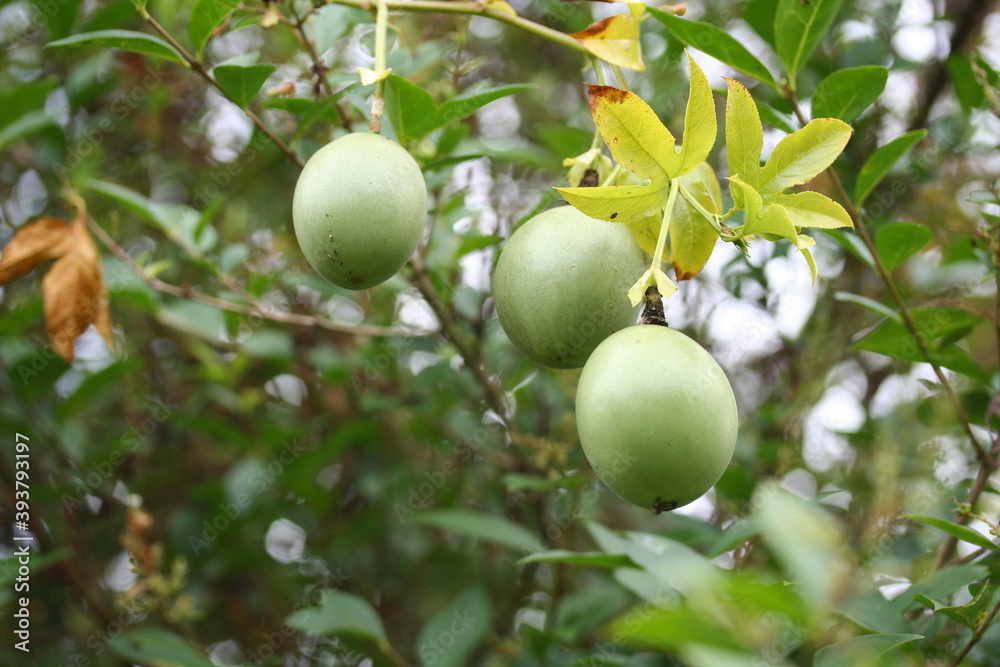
656 416
359 210
561 285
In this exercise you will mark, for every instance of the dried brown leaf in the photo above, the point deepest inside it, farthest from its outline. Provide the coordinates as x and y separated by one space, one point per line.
34 243
75 294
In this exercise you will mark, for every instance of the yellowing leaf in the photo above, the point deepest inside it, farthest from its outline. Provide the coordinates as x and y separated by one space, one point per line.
75 295
34 243
811 209
744 134
692 237
368 76
646 230
772 220
615 40
618 203
593 161
811 262
802 155
700 124
653 275
635 136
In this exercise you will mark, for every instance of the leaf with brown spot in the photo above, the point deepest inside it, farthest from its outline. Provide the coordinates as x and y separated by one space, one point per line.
75 295
34 243
615 40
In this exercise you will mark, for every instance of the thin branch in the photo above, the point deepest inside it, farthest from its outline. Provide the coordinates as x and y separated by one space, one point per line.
255 307
197 66
977 635
420 279
473 9
987 460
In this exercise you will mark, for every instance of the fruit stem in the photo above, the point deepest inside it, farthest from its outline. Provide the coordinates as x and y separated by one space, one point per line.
668 212
620 77
378 101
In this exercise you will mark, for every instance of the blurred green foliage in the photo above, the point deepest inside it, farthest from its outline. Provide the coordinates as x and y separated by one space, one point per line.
275 481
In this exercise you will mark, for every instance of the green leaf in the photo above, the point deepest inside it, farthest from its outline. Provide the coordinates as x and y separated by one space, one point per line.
241 84
206 17
879 163
16 101
938 327
811 209
692 236
963 533
969 91
806 541
617 203
700 124
450 636
845 93
635 136
717 43
774 118
485 527
802 155
28 124
971 615
744 134
615 40
414 113
127 40
863 650
469 102
411 109
898 241
148 646
798 29
869 304
588 558
341 613
942 583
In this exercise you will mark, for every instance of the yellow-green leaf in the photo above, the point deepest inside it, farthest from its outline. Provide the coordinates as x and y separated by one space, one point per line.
744 134
692 237
800 156
811 262
618 203
745 197
811 209
370 76
615 40
664 285
637 139
646 230
700 124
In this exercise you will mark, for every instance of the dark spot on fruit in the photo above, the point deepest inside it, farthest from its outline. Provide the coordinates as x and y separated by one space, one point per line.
660 506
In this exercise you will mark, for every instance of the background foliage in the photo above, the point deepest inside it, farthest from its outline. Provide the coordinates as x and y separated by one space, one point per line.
267 469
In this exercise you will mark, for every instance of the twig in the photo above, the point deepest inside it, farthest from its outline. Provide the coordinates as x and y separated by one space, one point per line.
419 278
977 635
256 308
197 66
987 460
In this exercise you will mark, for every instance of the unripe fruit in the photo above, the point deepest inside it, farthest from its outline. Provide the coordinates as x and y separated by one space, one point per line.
359 210
656 417
561 285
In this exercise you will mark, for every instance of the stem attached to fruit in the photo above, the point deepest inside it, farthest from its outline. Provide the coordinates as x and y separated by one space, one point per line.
654 275
378 100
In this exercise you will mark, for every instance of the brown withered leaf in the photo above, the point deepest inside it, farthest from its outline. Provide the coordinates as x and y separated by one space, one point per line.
34 243
75 295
